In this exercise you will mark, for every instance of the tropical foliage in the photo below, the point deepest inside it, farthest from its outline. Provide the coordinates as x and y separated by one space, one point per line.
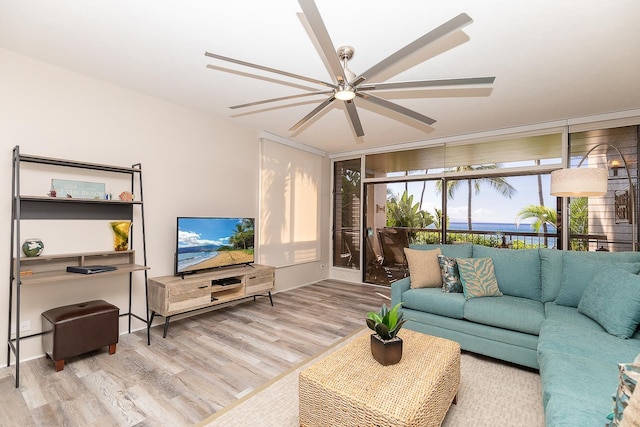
402 212
243 236
578 219
579 222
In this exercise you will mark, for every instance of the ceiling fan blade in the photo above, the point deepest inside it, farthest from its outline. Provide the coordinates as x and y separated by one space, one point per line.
282 98
428 83
448 27
271 70
315 111
355 119
397 108
316 23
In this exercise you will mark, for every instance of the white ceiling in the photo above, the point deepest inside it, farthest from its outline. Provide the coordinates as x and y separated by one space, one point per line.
552 59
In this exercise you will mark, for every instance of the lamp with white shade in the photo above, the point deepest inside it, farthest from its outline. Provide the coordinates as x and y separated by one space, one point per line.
591 182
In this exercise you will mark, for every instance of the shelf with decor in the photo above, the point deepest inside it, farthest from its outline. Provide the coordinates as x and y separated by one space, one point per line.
52 268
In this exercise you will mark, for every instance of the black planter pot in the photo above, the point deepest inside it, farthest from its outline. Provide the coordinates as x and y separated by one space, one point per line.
386 352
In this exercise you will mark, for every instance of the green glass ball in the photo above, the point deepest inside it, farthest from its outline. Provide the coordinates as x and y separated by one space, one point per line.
32 247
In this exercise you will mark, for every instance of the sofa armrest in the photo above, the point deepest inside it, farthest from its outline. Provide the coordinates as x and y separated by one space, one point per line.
398 288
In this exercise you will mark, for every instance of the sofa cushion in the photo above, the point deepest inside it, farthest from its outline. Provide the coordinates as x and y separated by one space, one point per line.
433 300
570 411
585 342
513 313
517 270
478 278
570 316
550 273
481 335
573 385
424 268
450 274
578 268
613 300
457 250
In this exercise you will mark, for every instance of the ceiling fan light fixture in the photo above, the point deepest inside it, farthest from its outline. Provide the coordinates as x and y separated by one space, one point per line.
345 93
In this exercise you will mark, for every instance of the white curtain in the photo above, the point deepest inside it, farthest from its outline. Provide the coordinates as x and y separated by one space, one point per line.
289 217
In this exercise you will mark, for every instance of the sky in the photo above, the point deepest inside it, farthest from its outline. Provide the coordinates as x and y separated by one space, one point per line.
205 231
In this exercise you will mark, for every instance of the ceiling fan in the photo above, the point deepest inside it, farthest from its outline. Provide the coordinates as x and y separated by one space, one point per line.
347 86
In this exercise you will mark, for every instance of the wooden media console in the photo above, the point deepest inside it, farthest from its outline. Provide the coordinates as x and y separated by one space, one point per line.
172 295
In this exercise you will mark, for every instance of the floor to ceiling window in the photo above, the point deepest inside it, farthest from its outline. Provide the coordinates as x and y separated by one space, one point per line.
495 193
346 214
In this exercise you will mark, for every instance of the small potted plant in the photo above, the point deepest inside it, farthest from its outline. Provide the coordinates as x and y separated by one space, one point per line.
386 346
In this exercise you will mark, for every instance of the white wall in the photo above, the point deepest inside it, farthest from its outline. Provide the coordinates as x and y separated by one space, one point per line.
192 164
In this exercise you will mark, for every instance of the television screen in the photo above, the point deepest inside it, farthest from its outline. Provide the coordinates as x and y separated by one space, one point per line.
212 242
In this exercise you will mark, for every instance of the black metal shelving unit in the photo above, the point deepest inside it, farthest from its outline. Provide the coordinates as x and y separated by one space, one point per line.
58 208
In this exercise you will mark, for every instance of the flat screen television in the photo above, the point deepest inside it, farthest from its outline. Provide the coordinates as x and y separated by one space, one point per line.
205 243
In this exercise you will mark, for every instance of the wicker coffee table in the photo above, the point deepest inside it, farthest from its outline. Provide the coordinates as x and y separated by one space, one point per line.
349 388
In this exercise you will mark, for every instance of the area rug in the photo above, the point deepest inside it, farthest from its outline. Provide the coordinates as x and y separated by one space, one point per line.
491 393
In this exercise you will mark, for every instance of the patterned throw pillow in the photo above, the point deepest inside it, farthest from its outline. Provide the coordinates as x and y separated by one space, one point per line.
628 378
424 268
450 274
478 278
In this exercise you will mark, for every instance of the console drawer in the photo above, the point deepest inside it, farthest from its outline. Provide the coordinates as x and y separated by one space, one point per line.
260 281
188 295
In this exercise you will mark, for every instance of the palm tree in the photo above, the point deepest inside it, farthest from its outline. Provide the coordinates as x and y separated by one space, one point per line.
438 221
578 219
542 215
498 183
243 235
541 201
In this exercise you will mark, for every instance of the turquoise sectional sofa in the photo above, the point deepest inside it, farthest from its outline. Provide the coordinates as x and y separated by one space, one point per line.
561 312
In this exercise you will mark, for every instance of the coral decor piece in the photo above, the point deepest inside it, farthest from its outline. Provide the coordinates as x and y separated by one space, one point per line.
126 196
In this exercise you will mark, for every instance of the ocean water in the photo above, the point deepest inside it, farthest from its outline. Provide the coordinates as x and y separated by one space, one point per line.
506 228
496 226
189 259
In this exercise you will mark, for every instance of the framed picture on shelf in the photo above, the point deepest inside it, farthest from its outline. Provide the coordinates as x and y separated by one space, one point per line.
77 189
622 206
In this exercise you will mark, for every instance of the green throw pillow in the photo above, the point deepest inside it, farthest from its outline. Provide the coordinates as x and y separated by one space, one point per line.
577 273
613 300
450 274
478 277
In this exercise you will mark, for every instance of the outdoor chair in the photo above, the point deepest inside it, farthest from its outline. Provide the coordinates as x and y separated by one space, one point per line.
392 243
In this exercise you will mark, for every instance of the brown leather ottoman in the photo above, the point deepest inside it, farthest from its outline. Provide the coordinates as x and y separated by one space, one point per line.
75 329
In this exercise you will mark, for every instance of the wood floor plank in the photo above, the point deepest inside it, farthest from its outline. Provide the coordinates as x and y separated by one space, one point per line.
206 362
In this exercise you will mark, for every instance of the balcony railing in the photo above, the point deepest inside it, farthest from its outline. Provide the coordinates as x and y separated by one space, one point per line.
501 239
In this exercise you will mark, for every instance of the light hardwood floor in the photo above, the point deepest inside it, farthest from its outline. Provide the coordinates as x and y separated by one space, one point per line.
205 363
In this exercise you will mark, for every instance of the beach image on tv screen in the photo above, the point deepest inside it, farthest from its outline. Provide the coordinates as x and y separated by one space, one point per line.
205 243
